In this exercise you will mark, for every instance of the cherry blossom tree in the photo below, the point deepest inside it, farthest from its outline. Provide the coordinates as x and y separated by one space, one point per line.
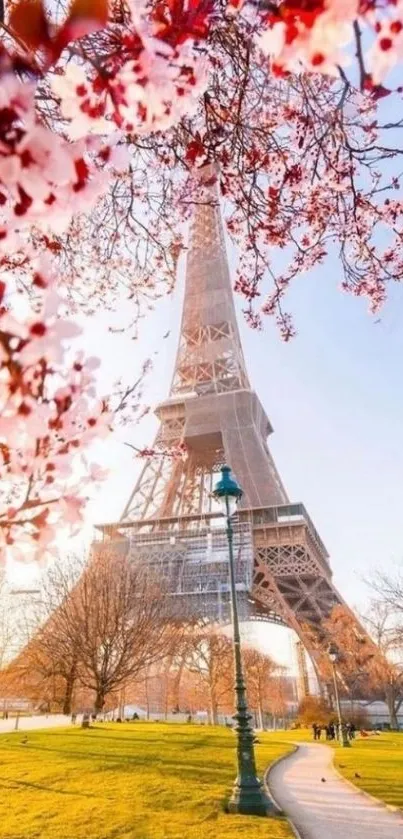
106 109
301 145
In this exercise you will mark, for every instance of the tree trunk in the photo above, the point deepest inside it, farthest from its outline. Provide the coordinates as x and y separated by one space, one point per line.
68 694
166 689
394 724
177 686
147 696
99 701
260 715
393 707
213 709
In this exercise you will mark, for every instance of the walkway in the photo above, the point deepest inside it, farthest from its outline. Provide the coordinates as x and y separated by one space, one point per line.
32 723
330 810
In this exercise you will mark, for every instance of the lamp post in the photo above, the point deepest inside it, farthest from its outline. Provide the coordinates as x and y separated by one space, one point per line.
248 796
343 738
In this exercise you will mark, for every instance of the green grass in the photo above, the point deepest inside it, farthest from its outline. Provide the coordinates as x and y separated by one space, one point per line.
129 781
377 759
379 762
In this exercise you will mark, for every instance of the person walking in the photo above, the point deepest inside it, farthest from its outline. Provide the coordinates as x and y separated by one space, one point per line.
315 731
319 732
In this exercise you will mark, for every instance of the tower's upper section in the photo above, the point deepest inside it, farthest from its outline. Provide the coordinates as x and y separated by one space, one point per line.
210 358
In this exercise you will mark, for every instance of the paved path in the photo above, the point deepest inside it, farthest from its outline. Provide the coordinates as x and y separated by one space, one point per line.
31 723
331 810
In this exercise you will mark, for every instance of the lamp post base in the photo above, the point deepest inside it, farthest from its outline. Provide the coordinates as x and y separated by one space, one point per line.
251 800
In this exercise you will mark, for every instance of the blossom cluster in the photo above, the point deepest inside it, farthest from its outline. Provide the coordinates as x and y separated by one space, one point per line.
143 94
44 179
317 35
49 414
48 408
146 86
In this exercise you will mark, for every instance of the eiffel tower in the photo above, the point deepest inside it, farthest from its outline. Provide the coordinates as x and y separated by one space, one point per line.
171 520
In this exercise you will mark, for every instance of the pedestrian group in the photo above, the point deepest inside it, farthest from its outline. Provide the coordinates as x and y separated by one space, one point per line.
332 730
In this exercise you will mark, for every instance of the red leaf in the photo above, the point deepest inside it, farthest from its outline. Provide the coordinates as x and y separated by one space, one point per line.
91 10
85 17
379 91
28 22
177 20
194 150
2 290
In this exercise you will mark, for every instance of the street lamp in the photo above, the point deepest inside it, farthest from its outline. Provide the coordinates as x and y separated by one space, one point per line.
248 796
333 656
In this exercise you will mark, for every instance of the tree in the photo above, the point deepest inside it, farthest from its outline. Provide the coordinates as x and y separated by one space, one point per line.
120 618
209 656
102 623
281 695
314 709
357 653
7 633
141 690
46 668
384 622
260 671
389 588
368 668
48 664
294 149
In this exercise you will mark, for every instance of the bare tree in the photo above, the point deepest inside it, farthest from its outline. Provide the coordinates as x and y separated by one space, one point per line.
6 625
389 590
209 656
357 653
370 665
384 627
260 670
96 626
120 619
46 668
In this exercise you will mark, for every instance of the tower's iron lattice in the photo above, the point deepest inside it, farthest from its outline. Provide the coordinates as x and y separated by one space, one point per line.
171 521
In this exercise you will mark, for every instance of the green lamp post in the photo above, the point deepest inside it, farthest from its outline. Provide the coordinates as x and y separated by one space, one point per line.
248 796
343 738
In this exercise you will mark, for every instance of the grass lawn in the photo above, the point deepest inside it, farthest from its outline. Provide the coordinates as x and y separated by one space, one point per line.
128 781
379 762
377 759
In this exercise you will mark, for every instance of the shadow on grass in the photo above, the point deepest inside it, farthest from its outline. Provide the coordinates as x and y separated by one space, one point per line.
195 771
127 738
